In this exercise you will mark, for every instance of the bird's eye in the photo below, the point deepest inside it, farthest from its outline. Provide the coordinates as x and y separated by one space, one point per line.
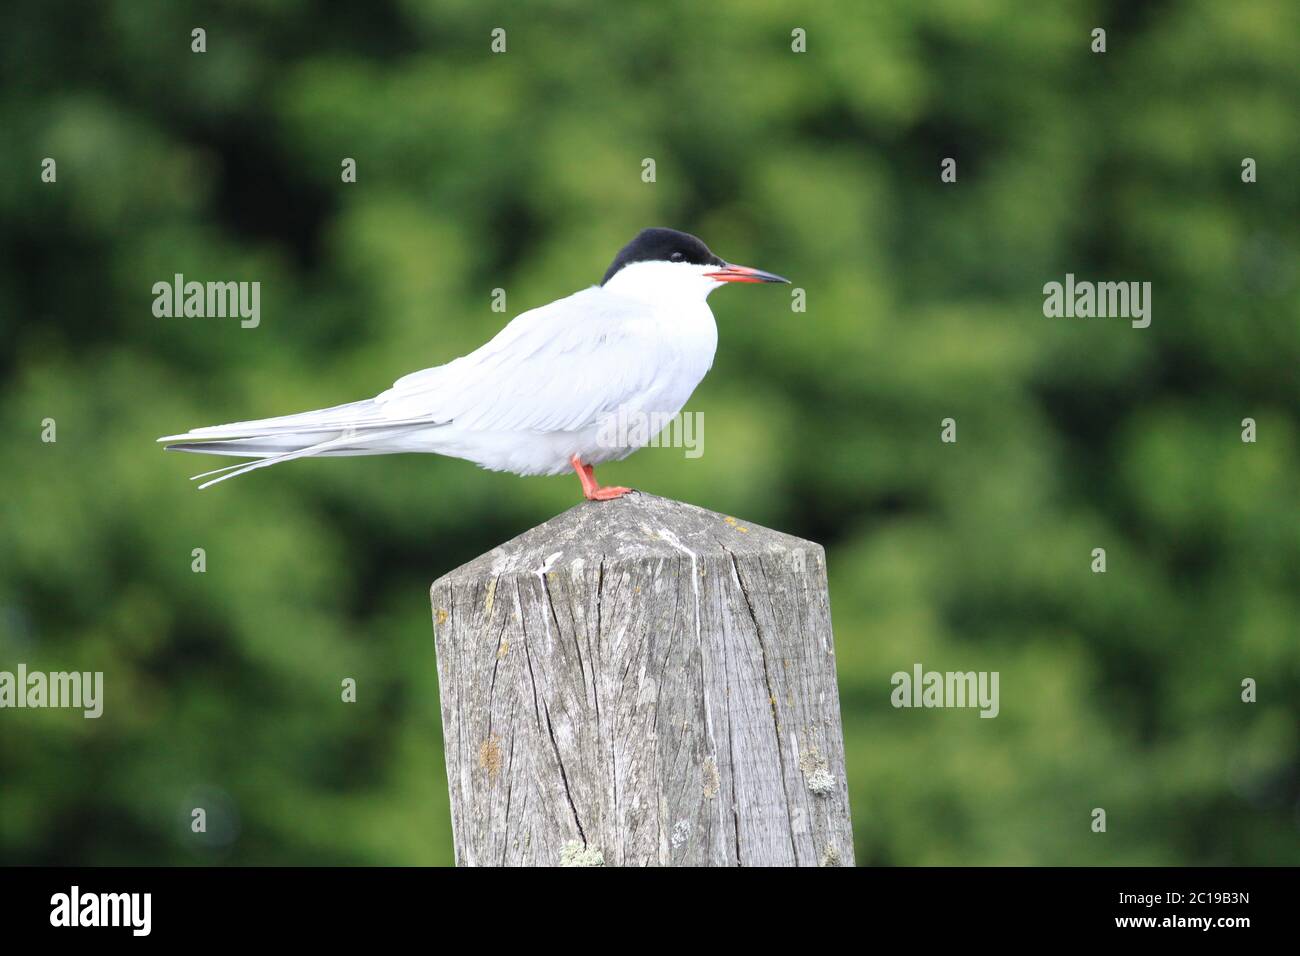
676 257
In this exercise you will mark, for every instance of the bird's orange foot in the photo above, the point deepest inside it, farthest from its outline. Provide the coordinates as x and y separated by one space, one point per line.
607 493
590 489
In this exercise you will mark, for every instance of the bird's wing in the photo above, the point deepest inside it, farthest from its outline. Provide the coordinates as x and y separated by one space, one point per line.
555 368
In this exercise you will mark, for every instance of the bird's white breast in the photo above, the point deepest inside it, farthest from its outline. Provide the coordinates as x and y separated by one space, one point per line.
676 343
546 387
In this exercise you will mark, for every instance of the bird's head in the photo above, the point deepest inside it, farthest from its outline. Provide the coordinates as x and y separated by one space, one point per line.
667 263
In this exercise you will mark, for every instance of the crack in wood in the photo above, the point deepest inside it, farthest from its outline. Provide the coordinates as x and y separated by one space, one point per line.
563 775
771 696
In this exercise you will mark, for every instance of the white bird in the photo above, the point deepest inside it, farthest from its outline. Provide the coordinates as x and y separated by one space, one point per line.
538 398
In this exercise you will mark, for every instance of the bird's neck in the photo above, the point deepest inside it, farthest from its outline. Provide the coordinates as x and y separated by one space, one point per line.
661 284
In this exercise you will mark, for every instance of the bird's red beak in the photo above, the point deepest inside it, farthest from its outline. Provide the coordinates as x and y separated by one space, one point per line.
734 273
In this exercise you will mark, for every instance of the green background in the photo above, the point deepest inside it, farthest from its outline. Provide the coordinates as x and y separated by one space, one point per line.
523 171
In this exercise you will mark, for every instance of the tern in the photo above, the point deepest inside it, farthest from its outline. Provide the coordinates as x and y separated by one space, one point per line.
536 398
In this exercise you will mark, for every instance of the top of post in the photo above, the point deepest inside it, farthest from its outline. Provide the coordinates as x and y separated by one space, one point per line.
633 527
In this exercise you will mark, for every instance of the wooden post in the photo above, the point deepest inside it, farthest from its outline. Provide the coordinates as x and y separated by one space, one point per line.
640 682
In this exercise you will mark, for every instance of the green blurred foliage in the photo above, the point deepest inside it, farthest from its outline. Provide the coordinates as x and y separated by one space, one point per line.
523 171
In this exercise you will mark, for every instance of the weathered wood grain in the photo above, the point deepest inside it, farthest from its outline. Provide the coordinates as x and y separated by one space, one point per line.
642 682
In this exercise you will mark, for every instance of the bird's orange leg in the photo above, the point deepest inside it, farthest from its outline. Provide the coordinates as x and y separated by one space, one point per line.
590 489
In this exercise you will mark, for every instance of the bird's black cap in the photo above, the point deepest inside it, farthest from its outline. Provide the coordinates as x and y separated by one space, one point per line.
662 245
